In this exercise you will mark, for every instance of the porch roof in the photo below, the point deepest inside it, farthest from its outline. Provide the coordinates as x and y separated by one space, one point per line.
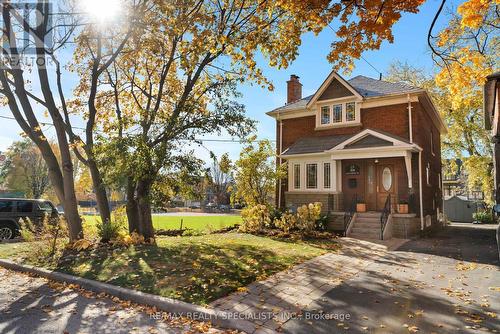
315 144
322 144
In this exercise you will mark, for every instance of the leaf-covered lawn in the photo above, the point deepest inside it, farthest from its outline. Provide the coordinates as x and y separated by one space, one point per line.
196 269
198 223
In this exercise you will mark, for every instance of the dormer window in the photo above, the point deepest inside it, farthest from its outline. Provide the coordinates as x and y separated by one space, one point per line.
350 111
337 113
325 115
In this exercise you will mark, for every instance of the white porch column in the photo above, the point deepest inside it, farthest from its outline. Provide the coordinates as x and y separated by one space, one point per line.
408 168
334 176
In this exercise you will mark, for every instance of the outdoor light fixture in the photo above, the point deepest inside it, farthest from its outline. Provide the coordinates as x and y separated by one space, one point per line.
376 161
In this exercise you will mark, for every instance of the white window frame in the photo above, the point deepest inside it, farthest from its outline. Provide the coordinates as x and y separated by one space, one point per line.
331 104
319 160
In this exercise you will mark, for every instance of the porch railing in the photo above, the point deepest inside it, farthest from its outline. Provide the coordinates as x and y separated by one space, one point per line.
349 213
385 215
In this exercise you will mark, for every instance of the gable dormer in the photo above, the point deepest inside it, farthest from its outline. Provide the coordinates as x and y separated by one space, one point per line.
336 104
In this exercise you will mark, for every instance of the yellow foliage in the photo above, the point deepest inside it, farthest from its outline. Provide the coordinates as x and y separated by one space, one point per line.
255 218
80 245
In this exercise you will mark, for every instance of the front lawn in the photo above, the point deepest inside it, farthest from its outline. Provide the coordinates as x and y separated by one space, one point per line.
197 223
197 269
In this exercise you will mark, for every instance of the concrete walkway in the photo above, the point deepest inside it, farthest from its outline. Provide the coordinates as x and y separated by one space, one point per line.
448 283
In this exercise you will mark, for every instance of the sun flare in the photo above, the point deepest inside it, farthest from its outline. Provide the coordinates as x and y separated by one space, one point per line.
102 11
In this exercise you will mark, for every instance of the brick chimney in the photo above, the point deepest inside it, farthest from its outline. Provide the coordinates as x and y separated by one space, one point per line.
294 89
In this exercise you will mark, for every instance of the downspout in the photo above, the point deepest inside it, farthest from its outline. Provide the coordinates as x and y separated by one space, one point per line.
409 119
420 190
279 158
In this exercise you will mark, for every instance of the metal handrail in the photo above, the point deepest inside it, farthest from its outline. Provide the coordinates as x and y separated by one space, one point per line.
350 213
385 215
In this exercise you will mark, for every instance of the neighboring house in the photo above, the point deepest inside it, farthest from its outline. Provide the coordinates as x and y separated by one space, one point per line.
491 117
455 182
359 141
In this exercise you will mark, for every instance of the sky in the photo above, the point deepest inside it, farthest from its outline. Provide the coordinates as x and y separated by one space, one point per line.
410 45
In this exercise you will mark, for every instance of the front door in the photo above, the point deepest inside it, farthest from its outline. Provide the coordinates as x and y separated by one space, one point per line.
386 184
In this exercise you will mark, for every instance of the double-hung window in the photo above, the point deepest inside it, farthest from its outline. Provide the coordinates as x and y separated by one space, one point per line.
312 176
325 115
337 113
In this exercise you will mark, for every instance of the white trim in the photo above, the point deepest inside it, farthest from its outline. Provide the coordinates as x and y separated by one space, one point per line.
303 162
365 133
326 83
374 152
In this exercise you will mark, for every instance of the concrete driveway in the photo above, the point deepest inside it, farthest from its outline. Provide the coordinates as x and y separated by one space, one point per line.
447 283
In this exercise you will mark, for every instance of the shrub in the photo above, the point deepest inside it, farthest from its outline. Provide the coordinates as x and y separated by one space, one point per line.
27 229
484 217
307 215
322 223
47 234
115 228
287 222
255 218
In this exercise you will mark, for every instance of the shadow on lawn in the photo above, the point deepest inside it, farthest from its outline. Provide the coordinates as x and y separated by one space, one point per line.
197 273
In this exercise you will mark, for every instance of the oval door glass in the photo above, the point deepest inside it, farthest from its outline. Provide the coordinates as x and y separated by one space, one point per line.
387 179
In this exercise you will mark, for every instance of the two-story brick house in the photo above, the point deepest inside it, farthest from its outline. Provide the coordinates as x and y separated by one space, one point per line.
361 141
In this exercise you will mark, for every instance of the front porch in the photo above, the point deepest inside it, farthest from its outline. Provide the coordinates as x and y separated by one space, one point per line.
369 172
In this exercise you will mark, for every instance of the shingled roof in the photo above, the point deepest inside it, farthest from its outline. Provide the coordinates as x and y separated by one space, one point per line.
315 144
369 87
365 86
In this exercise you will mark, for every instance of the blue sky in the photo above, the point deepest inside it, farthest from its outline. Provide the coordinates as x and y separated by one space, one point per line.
410 45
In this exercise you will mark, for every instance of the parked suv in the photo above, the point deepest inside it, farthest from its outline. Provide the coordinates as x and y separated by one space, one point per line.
13 209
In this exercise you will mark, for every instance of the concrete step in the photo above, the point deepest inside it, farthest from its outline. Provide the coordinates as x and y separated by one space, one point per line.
373 236
356 229
369 214
366 226
367 220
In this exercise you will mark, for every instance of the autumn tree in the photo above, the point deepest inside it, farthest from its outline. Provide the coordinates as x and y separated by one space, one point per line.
25 169
256 174
27 34
220 178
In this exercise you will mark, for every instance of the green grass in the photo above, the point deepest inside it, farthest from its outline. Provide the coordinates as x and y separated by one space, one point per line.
197 269
198 223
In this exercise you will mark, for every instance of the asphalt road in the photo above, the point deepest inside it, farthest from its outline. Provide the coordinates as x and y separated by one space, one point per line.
447 283
33 305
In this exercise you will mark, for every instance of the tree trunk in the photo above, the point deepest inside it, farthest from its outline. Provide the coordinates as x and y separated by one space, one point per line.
143 191
132 208
100 192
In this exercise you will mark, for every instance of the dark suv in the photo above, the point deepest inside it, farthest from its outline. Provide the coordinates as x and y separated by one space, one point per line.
13 209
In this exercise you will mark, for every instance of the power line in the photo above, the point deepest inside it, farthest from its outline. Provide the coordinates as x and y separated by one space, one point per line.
222 140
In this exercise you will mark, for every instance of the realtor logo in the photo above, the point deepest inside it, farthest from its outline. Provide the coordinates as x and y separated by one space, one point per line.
27 31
